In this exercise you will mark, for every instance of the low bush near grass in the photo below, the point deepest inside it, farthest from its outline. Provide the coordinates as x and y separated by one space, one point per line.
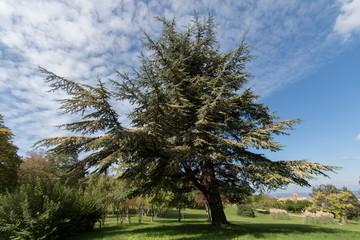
245 210
42 210
318 218
279 214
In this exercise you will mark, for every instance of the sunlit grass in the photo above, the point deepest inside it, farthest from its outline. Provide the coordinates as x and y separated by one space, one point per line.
194 226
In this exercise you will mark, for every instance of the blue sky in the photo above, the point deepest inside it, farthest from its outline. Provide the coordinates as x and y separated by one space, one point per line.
307 64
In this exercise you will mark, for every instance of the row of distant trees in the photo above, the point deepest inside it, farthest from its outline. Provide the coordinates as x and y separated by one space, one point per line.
341 202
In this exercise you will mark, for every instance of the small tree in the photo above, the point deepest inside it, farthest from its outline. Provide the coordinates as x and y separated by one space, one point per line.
193 120
325 189
343 203
118 198
301 205
288 205
100 186
160 200
35 166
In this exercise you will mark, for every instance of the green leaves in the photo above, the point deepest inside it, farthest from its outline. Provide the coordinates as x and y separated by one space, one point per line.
9 160
43 210
342 202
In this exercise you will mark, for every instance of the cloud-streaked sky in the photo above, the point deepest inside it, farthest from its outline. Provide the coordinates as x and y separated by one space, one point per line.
306 66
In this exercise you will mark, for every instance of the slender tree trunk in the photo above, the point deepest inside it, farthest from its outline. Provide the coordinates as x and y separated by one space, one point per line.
128 215
140 214
208 212
179 214
152 213
217 211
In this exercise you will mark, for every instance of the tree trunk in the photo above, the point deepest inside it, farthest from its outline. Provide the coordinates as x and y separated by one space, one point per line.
179 214
208 212
140 215
152 213
128 215
217 211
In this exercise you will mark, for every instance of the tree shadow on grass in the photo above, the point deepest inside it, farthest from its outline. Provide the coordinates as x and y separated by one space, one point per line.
198 230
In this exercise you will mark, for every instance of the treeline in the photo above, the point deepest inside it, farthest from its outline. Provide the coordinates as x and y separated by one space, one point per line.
340 203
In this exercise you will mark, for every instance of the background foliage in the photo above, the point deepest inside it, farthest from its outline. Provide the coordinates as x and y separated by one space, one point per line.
9 159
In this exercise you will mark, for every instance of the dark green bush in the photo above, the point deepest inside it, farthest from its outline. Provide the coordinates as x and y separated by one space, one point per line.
298 206
288 205
301 205
42 210
245 210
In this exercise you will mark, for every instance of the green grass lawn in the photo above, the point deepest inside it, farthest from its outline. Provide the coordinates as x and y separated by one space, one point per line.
195 227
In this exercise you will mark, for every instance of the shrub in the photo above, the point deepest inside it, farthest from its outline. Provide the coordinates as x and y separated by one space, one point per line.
295 206
265 202
301 205
288 205
41 210
279 214
318 218
245 210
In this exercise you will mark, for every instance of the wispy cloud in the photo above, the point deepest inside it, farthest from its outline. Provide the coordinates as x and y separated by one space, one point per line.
83 40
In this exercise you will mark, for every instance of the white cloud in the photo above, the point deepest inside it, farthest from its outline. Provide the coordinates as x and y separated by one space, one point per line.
348 21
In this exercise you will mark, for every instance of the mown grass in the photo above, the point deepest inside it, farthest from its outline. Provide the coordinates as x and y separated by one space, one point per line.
194 226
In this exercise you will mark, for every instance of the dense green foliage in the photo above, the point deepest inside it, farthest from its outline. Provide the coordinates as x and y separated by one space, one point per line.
9 160
265 202
295 206
341 202
245 210
50 167
43 210
325 189
194 121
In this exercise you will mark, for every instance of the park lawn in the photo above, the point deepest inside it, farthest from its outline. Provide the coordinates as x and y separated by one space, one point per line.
194 226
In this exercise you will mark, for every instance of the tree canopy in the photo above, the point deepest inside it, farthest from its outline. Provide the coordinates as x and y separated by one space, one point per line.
342 202
193 120
9 159
50 167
